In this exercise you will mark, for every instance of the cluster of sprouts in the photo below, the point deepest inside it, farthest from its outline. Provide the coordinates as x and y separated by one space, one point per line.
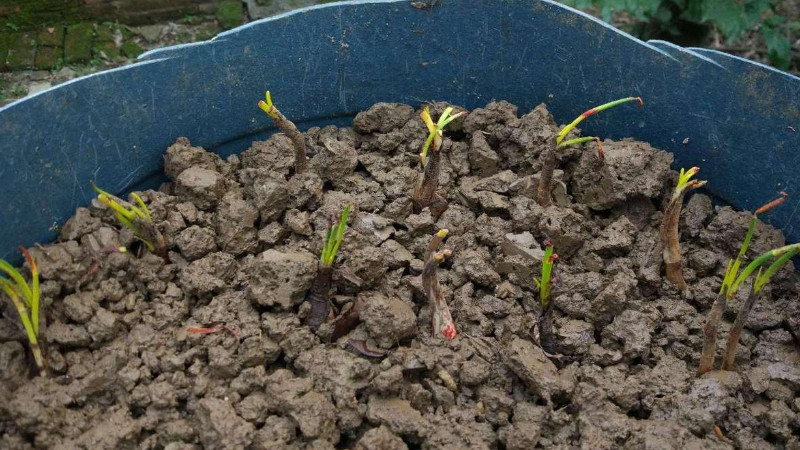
26 300
135 218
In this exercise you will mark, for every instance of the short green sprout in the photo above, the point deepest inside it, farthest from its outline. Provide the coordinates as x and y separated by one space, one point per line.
136 219
289 129
546 338
435 131
26 299
543 283
333 239
268 107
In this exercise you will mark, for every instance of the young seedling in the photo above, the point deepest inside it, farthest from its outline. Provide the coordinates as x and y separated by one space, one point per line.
549 153
545 285
442 320
137 219
730 286
291 131
425 192
761 280
668 233
712 322
320 304
25 299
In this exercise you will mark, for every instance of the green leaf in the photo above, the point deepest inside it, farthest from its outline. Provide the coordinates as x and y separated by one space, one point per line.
727 15
779 49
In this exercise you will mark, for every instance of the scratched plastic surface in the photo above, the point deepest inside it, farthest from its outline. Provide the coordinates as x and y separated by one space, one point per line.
741 120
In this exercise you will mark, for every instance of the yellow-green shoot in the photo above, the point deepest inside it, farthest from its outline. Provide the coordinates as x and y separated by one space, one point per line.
733 265
435 130
548 155
560 143
26 299
544 284
669 238
289 129
135 218
333 239
780 256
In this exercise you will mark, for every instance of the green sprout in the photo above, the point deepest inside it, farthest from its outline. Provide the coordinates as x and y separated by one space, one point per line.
544 284
136 219
780 256
425 194
435 131
333 239
733 265
26 299
549 153
669 238
290 130
590 112
320 290
731 284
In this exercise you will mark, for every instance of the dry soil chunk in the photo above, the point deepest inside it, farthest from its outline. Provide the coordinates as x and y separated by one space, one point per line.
281 279
220 426
202 186
181 155
631 332
396 414
617 239
195 242
380 438
531 365
388 319
382 117
631 169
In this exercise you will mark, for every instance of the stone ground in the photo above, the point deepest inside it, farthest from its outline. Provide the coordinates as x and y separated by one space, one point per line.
31 61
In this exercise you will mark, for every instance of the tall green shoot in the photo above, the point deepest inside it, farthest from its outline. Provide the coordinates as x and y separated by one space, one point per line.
730 286
26 299
759 282
549 153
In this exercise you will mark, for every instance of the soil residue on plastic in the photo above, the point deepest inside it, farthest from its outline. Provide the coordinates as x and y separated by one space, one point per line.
244 237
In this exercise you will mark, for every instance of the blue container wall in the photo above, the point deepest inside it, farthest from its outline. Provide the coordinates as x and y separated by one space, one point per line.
324 64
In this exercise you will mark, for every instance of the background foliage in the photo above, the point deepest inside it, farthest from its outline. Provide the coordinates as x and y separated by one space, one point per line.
690 21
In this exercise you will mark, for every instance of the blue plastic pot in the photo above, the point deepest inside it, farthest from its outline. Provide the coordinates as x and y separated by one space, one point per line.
738 120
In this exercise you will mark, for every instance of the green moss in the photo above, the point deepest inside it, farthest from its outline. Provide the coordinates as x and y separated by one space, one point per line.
106 50
78 43
48 58
207 32
105 32
131 49
230 13
20 53
5 45
51 36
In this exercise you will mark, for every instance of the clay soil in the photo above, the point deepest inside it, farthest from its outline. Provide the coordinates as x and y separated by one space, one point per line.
245 235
